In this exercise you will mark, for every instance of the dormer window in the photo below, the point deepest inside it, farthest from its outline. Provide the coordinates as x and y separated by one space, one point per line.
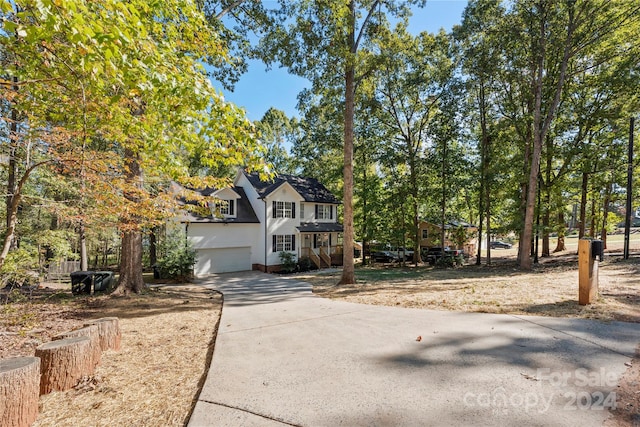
223 208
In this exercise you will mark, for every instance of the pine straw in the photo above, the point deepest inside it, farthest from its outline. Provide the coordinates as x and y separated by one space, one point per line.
167 338
548 290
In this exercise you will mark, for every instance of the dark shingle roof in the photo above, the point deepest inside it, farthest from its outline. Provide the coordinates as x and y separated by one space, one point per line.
310 189
244 212
320 227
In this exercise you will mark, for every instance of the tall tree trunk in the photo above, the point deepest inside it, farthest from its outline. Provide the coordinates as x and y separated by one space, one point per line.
541 125
153 247
605 211
131 279
443 202
11 173
583 205
365 213
483 168
546 205
84 257
348 272
415 207
131 265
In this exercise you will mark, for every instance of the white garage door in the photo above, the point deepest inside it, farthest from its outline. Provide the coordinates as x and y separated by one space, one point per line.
222 260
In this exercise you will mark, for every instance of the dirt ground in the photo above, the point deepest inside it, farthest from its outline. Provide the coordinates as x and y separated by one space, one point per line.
167 341
550 289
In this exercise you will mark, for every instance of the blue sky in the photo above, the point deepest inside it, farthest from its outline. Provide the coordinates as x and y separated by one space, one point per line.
258 89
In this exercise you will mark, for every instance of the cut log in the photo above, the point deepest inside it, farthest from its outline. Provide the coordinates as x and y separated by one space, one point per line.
63 363
110 333
91 331
19 391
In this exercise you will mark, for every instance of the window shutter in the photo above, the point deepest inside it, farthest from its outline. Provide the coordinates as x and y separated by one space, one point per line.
330 213
315 238
316 211
273 209
293 242
293 209
231 207
329 239
274 243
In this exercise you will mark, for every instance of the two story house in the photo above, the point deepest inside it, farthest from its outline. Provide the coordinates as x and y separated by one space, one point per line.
253 221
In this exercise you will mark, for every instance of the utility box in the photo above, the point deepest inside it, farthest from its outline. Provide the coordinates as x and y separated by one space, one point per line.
589 256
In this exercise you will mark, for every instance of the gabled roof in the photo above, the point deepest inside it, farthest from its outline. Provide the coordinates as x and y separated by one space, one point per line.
244 212
310 189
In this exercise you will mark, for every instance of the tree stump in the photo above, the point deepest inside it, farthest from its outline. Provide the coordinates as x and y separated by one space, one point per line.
63 363
109 331
91 331
19 391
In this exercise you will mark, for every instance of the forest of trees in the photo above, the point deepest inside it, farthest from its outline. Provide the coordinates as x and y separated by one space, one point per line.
516 121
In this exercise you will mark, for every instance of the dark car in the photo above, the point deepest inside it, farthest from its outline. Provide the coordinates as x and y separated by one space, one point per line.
385 256
431 255
500 245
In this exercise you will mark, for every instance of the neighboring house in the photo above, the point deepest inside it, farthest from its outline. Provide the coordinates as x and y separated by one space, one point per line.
253 221
430 235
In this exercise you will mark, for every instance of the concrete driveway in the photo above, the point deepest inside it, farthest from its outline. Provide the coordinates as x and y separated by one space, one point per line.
285 357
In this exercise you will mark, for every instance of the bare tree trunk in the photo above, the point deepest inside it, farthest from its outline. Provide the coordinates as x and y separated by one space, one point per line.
348 272
84 258
546 206
483 168
11 177
542 124
605 211
443 202
153 247
583 205
131 279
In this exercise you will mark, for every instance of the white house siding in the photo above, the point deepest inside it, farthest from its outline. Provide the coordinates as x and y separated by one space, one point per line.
284 226
235 239
258 205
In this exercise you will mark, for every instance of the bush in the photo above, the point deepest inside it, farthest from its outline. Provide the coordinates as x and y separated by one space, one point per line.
20 266
176 256
305 264
288 262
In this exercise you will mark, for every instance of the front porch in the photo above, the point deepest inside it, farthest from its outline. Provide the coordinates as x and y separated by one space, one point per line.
323 249
323 257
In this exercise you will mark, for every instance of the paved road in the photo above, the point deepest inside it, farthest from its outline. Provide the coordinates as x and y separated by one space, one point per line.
286 357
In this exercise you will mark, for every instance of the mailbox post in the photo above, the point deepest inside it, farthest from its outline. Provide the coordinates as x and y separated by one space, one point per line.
590 253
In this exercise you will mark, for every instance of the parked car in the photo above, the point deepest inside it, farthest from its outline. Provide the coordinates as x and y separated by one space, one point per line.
500 245
385 256
401 251
431 255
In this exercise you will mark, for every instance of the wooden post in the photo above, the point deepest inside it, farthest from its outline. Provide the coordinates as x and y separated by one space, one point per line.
586 282
19 391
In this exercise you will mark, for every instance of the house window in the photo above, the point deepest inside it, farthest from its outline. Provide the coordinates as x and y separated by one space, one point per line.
284 242
284 209
425 233
324 212
301 210
223 208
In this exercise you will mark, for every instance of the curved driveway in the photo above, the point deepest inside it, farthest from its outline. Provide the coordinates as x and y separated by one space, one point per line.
286 357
